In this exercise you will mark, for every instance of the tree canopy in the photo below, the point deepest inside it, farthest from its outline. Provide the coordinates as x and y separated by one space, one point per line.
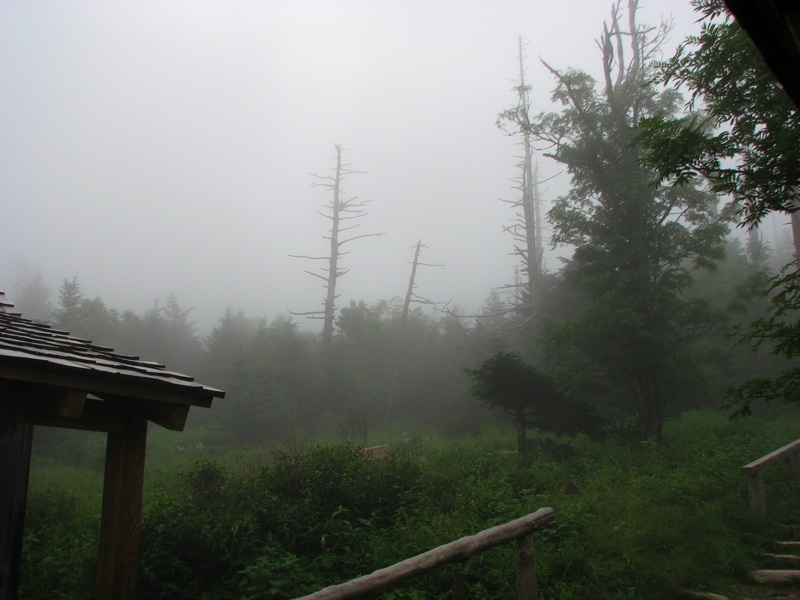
635 244
741 134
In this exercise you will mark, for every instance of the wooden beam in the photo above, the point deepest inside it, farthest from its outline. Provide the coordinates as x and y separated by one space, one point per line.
15 462
96 417
70 404
169 416
64 402
758 496
99 415
526 569
770 458
121 521
459 550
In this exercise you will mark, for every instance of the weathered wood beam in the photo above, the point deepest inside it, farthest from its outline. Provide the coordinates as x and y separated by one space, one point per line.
169 416
15 462
121 520
71 404
526 569
772 457
64 402
755 476
758 496
96 417
459 550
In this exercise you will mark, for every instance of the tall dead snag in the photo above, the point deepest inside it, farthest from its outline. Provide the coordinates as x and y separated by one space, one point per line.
526 227
339 212
411 296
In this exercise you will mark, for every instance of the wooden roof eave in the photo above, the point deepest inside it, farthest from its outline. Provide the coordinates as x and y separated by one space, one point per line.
109 382
72 409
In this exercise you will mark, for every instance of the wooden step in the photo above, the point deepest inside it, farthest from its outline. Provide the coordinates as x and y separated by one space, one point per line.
789 544
787 557
706 596
776 576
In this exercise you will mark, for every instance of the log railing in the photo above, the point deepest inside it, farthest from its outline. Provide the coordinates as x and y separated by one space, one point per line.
755 474
520 531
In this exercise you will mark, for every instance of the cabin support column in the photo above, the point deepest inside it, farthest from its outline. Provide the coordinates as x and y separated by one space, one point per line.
121 521
15 464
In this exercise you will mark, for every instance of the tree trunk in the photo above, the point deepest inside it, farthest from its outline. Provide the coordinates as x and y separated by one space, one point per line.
522 435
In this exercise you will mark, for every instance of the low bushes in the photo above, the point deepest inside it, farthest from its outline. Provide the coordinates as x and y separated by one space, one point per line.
632 521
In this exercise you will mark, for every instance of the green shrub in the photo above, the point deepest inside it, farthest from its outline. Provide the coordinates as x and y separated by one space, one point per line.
633 521
59 552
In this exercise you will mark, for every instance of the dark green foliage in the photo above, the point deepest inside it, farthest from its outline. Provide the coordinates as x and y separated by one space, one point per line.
746 143
635 243
633 521
506 381
297 523
60 549
745 139
779 331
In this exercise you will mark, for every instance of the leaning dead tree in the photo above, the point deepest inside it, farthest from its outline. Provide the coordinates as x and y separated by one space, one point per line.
411 297
340 211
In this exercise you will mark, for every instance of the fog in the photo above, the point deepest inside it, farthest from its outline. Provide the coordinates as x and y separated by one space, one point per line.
151 148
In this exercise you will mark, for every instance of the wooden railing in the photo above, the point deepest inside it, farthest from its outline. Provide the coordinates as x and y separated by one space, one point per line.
521 531
755 474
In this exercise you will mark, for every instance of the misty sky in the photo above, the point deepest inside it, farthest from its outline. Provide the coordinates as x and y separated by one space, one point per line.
153 147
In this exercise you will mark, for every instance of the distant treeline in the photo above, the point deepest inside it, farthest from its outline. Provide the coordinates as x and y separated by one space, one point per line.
383 370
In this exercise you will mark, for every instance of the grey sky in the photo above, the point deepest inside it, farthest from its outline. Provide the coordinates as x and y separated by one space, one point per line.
156 147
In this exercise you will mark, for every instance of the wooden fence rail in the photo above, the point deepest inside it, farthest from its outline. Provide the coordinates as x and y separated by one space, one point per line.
755 474
519 531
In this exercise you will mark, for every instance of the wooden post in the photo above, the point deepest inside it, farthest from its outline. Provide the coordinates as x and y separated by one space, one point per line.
794 463
526 569
15 464
121 521
758 497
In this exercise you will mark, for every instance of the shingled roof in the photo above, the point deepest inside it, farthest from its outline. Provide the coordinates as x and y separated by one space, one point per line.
34 353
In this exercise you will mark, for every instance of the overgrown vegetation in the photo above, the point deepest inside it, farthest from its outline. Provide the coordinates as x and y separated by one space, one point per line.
652 505
634 521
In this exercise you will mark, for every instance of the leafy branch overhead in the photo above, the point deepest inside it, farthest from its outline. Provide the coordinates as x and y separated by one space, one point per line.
741 134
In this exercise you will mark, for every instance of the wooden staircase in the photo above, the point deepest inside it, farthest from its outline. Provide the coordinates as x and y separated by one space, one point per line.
780 579
784 566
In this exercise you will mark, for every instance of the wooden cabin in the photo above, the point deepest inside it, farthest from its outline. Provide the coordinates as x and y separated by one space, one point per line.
48 377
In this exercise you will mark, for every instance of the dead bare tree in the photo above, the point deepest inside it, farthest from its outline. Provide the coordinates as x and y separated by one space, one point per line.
339 211
526 227
411 297
522 298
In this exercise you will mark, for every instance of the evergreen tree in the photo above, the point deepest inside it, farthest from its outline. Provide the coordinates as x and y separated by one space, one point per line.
33 297
508 382
70 297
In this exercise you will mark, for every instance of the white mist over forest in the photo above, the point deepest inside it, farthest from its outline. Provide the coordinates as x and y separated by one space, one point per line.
158 148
